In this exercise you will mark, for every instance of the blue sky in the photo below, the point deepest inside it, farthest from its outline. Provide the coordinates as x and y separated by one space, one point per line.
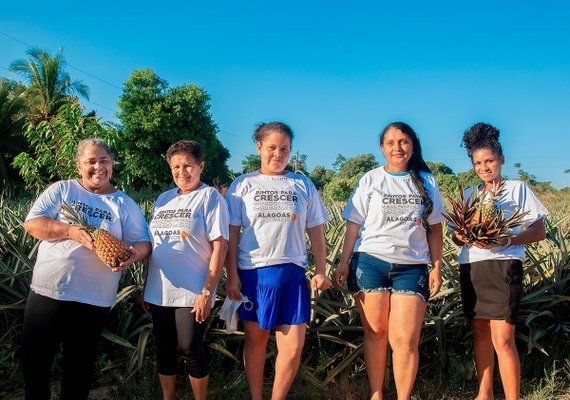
336 71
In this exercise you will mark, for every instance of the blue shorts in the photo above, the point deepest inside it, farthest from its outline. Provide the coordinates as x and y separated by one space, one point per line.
279 293
370 274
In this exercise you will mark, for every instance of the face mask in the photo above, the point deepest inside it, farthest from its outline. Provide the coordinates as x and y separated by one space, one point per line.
228 311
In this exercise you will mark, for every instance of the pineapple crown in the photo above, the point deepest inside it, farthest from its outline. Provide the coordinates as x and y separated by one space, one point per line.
74 216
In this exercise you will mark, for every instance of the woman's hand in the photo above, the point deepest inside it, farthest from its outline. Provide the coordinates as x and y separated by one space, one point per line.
233 287
202 307
459 239
340 275
320 282
139 251
434 281
81 236
125 264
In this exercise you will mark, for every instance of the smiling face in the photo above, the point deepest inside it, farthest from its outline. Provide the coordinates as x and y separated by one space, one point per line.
487 165
398 149
186 172
274 150
95 167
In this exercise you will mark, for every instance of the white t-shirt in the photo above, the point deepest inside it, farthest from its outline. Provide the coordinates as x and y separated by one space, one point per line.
274 212
517 195
66 270
389 209
181 228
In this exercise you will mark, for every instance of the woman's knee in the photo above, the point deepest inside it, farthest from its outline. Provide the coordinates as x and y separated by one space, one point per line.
376 332
504 344
197 365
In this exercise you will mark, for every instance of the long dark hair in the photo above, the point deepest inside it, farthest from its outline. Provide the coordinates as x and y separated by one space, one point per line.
415 165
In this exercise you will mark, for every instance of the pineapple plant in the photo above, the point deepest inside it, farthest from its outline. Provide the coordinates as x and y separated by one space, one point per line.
476 219
109 249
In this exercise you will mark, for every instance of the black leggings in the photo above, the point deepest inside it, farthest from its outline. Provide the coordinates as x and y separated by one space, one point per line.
49 323
175 330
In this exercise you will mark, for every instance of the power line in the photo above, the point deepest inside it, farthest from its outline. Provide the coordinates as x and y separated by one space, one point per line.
231 134
93 76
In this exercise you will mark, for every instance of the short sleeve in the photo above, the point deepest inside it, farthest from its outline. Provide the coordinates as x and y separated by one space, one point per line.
48 204
217 216
316 210
356 209
135 228
531 204
436 216
234 202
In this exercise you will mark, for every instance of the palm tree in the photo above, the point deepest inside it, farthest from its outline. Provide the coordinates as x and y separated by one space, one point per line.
49 84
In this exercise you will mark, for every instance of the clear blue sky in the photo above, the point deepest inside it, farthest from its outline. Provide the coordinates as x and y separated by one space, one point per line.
336 71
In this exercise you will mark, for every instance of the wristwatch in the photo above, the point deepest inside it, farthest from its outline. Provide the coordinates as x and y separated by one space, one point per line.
206 292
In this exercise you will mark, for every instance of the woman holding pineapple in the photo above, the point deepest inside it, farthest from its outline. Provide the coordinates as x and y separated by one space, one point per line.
271 210
393 231
189 229
491 266
77 270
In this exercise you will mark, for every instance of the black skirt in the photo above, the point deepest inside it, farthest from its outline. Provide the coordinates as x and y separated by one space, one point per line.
492 289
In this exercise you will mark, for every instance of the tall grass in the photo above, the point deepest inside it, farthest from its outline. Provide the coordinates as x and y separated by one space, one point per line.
332 365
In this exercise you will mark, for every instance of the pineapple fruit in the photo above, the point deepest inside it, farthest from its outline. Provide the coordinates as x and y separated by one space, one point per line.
476 219
108 248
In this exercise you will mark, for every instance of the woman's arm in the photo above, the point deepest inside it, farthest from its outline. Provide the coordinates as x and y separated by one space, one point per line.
233 283
45 228
534 233
203 303
341 272
435 244
317 237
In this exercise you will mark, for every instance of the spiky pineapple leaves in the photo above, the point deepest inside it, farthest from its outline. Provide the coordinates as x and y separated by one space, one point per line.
476 218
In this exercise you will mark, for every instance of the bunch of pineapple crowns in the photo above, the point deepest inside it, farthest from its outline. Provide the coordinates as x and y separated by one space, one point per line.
108 248
477 219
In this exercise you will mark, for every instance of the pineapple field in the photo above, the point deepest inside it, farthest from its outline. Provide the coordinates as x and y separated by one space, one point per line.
332 365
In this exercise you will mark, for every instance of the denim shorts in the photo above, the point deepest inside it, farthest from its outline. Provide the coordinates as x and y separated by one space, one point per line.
279 293
370 274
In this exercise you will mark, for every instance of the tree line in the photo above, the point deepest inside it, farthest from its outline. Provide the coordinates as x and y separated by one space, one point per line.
42 119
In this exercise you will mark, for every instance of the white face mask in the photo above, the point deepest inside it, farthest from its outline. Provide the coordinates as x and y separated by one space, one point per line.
228 311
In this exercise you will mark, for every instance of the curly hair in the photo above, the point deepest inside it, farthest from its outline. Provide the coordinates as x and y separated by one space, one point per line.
263 129
482 136
189 147
415 165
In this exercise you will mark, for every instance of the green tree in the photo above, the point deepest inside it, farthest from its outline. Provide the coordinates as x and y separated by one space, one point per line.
351 170
447 181
250 163
298 163
153 116
49 84
52 145
12 116
321 176
337 164
357 166
340 189
468 178
438 168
